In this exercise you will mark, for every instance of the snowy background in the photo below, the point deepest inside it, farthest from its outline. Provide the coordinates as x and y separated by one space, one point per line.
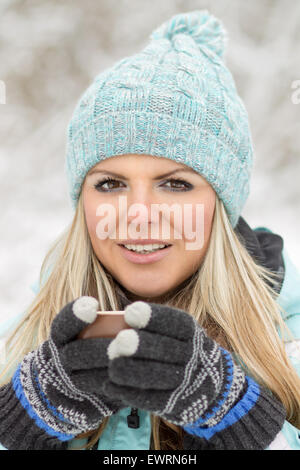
51 50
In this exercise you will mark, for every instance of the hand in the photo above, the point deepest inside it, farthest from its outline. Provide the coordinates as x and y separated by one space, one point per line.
168 365
62 381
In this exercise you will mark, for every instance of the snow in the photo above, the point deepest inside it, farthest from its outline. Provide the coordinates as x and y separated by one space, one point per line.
50 52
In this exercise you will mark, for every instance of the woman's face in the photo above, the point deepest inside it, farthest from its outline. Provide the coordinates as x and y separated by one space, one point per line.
142 180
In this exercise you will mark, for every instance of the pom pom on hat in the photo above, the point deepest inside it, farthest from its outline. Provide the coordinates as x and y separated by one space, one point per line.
206 30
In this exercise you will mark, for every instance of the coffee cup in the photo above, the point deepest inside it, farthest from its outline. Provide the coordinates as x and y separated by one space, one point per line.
107 325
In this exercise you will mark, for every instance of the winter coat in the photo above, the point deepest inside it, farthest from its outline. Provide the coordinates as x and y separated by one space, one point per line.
268 249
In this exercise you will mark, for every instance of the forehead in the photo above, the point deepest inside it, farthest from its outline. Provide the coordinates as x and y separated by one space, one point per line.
145 162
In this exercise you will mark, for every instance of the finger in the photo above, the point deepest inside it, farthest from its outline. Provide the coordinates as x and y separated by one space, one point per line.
145 375
131 396
85 354
90 381
73 318
142 344
168 321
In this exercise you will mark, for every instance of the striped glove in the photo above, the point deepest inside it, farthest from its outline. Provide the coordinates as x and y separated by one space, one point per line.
168 365
56 392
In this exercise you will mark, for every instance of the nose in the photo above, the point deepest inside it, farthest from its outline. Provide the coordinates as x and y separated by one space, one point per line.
145 213
140 203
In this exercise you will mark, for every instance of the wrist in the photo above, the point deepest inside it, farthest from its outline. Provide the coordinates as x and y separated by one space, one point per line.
232 385
252 423
33 401
19 431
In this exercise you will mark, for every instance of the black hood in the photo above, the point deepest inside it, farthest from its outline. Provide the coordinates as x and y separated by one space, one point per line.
264 247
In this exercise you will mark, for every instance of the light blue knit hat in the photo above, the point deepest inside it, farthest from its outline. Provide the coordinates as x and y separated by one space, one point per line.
174 99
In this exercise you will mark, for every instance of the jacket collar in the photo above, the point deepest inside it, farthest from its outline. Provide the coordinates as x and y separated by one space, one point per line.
263 245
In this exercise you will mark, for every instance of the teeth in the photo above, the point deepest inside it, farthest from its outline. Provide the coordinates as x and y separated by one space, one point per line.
144 248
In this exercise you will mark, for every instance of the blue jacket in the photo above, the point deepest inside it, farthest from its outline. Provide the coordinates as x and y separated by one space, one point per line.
268 249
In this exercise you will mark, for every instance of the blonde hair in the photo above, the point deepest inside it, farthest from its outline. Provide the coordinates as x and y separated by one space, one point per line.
228 295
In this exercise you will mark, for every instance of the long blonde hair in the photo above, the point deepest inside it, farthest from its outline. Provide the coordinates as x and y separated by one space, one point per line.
228 295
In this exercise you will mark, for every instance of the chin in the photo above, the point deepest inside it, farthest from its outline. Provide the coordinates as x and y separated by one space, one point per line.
148 295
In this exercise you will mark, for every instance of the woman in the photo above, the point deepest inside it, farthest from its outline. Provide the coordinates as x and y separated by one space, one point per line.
204 364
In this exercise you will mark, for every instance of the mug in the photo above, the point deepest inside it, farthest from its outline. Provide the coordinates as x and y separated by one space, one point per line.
107 325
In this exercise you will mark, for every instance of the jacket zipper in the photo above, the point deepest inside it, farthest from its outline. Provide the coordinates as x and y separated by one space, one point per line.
133 420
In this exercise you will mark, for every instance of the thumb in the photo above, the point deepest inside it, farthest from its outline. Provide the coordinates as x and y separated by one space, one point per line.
73 318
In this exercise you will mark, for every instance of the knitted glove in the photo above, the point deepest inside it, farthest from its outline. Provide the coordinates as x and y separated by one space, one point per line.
56 392
168 365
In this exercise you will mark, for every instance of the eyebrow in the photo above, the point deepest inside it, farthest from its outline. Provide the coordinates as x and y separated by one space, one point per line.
187 170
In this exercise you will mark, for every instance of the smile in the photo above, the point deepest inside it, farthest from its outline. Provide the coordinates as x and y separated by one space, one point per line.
142 254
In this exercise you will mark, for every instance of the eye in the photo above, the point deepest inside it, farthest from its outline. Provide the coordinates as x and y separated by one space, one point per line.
184 184
180 184
99 185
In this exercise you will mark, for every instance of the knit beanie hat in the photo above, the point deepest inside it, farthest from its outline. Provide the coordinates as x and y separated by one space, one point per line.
175 99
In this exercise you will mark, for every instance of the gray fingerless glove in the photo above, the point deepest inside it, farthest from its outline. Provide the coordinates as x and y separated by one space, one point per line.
56 392
170 367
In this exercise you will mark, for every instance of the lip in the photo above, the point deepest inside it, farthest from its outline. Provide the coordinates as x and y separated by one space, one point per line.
144 259
144 242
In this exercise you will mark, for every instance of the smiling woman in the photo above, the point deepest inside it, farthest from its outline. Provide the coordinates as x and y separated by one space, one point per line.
203 364
149 275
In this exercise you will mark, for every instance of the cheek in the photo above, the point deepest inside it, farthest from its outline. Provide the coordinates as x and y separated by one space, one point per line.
198 220
209 209
91 222
101 218
196 245
90 210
